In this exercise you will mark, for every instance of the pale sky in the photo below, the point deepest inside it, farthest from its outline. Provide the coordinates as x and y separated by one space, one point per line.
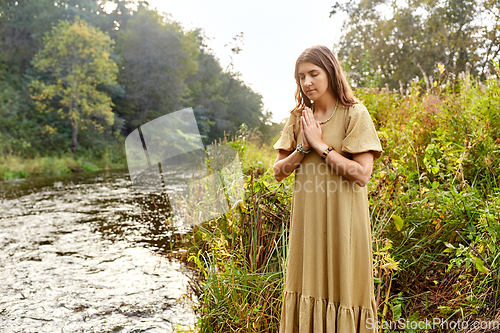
275 33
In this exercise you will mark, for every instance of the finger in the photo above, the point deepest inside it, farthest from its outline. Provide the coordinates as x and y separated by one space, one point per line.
310 116
307 125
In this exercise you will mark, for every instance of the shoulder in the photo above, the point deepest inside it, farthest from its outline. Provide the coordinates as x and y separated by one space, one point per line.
356 110
294 118
357 115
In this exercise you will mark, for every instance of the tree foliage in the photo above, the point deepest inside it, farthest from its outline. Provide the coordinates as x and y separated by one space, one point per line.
76 57
222 101
387 42
24 23
161 68
154 67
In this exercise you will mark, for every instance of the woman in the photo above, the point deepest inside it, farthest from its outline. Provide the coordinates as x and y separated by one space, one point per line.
331 145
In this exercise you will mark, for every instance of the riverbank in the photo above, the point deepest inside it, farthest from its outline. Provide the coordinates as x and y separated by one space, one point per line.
17 167
434 206
240 256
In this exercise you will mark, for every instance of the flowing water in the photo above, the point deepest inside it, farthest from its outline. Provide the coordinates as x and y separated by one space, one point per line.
83 253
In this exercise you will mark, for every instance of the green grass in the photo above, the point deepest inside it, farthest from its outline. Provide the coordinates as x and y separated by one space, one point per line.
435 210
16 167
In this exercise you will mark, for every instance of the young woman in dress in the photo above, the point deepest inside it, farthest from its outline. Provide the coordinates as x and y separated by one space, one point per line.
331 143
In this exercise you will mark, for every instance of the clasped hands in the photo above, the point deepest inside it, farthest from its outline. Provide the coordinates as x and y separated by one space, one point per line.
310 129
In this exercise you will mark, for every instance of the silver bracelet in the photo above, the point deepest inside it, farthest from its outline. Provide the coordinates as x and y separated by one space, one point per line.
303 152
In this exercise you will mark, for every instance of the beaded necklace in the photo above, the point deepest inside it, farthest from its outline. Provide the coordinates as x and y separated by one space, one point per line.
324 122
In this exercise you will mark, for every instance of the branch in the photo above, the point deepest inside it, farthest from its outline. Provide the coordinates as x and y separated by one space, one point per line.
425 78
480 257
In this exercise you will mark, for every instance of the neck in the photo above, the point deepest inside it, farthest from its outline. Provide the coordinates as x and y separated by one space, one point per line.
325 104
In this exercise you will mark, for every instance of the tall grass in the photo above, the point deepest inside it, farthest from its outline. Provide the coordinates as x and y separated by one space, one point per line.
435 211
436 199
240 256
15 167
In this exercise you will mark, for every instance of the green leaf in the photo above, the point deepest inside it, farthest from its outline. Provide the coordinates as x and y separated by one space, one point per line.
398 222
386 247
479 265
414 316
396 312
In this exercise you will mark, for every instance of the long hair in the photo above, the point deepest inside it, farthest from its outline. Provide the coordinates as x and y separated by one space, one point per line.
322 57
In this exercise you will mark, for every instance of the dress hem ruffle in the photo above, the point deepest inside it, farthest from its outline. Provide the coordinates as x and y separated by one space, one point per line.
305 314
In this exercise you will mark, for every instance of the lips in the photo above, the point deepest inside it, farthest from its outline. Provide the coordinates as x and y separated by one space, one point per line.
310 91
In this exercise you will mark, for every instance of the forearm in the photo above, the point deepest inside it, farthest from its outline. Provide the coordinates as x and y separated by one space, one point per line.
284 167
343 166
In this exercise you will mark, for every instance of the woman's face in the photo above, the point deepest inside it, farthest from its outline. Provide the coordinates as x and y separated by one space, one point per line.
313 80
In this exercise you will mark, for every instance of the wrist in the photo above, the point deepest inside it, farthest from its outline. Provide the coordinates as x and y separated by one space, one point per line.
300 148
320 148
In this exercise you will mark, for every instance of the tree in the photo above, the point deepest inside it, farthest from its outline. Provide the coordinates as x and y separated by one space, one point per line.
381 47
76 59
157 56
221 100
23 23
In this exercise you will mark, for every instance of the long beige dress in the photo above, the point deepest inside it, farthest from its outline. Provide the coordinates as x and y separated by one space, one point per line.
329 278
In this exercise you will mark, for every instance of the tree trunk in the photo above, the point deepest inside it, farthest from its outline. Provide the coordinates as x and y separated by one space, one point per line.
75 133
74 124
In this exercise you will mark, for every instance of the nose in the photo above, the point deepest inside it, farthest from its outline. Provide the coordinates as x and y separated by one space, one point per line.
307 81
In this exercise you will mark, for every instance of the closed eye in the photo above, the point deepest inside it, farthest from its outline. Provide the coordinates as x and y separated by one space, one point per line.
313 75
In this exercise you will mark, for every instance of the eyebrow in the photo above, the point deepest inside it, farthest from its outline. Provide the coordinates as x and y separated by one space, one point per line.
313 70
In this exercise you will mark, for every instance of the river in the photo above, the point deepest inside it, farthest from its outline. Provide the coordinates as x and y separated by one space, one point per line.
83 253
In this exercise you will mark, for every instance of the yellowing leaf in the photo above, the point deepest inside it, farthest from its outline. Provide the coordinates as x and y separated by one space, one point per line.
438 224
441 67
398 222
242 206
387 246
73 91
391 264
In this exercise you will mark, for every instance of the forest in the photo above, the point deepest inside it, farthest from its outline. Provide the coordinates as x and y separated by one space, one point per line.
77 79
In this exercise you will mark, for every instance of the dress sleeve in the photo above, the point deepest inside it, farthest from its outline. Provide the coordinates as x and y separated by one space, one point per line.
360 133
288 138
